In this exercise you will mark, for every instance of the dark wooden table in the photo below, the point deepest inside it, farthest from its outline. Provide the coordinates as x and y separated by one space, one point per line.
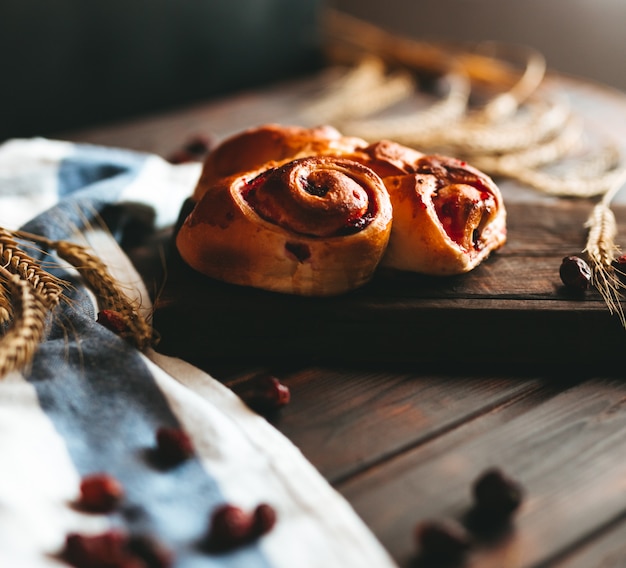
507 370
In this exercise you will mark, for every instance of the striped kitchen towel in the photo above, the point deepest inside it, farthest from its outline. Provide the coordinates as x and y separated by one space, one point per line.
90 403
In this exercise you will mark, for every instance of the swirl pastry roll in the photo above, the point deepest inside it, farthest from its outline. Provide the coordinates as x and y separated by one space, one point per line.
314 226
447 216
270 145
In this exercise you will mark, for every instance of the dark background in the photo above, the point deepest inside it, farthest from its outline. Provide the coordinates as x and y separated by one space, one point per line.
71 63
68 64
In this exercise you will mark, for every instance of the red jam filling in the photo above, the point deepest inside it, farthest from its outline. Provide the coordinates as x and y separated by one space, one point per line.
463 201
312 186
464 212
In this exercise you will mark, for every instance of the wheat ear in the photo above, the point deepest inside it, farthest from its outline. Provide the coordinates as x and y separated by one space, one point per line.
602 250
29 311
106 289
5 306
18 262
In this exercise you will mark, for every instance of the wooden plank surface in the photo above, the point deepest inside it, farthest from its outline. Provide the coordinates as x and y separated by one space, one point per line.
403 441
343 410
516 292
567 451
605 548
511 308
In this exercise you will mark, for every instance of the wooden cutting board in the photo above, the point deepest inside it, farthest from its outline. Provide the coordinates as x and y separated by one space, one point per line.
511 308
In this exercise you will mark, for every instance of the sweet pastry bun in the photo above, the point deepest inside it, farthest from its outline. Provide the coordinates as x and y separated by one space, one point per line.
447 216
387 158
314 226
269 145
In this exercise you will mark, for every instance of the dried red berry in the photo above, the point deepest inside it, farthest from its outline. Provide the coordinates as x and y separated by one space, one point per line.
263 519
181 156
114 549
100 493
230 527
575 273
193 150
442 540
173 445
113 321
105 550
496 494
276 392
264 393
199 144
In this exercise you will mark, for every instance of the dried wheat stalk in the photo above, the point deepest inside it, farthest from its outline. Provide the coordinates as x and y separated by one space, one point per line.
106 289
16 261
514 127
28 294
602 250
515 134
6 310
29 313
365 88
411 129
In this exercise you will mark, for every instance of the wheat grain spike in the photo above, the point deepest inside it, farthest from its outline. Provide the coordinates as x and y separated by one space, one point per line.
19 343
106 289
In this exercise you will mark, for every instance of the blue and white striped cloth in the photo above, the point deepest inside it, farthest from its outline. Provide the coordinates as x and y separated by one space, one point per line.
91 403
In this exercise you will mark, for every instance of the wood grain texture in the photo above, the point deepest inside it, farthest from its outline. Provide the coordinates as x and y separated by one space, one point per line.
347 420
511 308
567 452
404 391
605 548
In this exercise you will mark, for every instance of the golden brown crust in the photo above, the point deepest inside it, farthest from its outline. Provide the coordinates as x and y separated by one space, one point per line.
308 211
269 145
268 229
387 158
447 217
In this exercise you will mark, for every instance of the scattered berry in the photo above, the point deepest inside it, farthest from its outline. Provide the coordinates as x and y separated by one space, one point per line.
114 549
442 540
100 493
173 445
193 150
113 321
199 144
263 519
264 393
181 156
496 495
575 273
106 550
276 392
231 526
